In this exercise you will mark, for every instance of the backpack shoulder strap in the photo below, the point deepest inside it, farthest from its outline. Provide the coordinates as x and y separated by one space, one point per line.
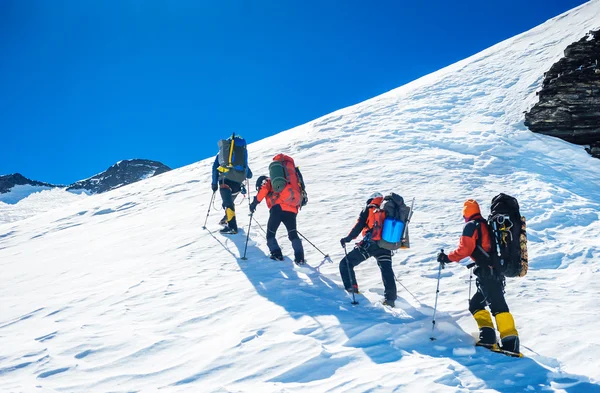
478 242
300 178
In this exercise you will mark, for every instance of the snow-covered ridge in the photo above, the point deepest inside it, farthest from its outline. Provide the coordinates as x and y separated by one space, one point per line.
20 186
126 292
122 173
14 189
19 192
39 200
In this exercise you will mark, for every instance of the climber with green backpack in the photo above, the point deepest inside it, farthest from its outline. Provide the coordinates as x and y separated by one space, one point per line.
285 194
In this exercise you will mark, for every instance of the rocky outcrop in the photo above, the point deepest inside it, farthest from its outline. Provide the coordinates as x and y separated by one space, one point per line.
7 182
122 173
569 102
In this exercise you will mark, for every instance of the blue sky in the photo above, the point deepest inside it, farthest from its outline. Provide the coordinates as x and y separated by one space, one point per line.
84 84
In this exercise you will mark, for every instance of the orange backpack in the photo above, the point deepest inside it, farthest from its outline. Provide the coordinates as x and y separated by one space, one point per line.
284 180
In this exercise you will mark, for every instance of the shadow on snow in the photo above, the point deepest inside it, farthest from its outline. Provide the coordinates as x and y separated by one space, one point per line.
383 335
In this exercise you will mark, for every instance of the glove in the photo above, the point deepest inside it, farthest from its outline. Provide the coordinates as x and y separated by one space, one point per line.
243 190
345 240
442 259
253 205
214 187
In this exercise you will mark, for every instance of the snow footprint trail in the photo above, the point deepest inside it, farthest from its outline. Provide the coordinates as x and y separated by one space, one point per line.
321 312
503 373
309 299
138 297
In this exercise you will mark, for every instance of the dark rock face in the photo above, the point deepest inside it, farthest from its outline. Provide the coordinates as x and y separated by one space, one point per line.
569 102
7 182
122 173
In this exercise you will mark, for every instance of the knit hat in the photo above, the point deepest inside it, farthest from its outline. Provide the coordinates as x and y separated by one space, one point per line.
470 208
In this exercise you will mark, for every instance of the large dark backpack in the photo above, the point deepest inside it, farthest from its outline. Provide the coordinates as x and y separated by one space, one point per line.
396 215
233 158
508 237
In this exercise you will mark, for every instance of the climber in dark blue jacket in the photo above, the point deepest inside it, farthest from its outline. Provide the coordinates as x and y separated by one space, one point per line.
229 190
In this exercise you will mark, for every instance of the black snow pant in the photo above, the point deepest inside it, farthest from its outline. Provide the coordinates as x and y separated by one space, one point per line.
276 217
384 260
490 292
229 191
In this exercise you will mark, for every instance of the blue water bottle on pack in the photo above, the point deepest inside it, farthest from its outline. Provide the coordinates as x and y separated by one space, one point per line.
392 230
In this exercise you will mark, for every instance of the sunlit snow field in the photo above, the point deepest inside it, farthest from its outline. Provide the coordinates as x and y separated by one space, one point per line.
125 292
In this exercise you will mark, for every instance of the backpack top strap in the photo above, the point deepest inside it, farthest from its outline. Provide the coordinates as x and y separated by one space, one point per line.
231 147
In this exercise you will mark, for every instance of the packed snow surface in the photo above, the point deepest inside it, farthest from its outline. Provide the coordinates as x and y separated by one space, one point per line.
125 292
27 201
19 192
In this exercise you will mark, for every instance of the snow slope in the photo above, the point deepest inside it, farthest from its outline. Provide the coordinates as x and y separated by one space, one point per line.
125 292
27 201
20 192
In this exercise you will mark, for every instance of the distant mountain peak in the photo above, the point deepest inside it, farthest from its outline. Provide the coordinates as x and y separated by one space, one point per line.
120 174
7 182
15 187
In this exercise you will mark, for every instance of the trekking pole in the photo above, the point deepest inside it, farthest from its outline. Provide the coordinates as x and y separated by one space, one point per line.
247 237
354 302
209 206
470 280
260 226
437 292
248 191
399 282
470 267
325 255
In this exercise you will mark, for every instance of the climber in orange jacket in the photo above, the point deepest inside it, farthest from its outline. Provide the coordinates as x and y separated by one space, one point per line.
274 198
475 243
280 211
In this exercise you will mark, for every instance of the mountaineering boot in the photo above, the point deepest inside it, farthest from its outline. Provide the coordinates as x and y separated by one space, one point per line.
223 220
487 334
390 303
228 231
354 289
299 258
509 337
511 344
487 337
276 255
231 220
